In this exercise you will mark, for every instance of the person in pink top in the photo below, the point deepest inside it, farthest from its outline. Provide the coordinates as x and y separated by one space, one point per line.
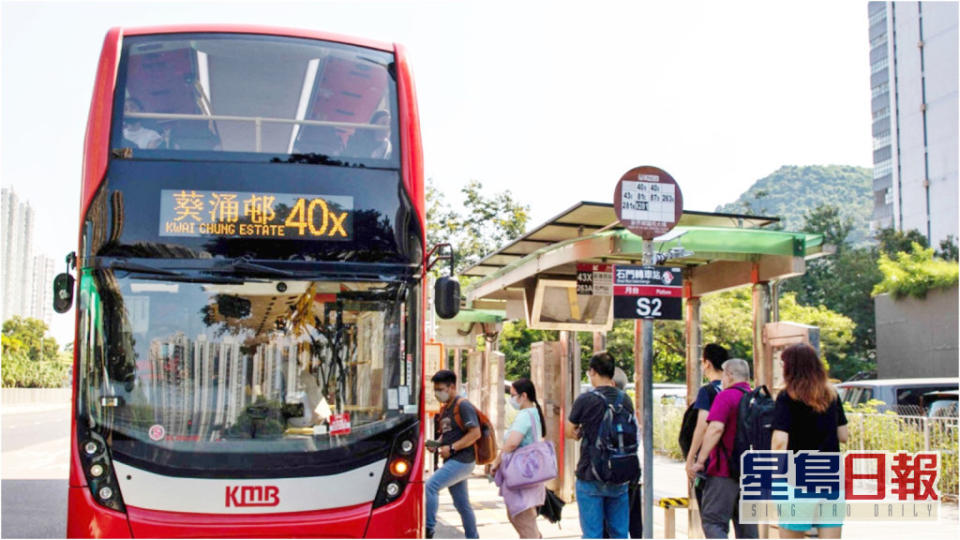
721 493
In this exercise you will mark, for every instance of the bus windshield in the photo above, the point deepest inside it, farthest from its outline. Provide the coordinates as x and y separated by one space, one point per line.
244 366
230 96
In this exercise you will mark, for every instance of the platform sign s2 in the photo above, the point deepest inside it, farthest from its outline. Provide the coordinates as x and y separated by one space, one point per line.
648 292
242 214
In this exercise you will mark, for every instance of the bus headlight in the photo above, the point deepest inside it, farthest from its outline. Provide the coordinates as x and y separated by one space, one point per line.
399 466
96 465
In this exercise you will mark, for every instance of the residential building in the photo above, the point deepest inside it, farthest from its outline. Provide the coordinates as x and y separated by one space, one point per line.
41 289
913 81
27 278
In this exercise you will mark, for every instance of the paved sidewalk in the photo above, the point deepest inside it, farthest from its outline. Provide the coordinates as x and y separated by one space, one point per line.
492 519
669 480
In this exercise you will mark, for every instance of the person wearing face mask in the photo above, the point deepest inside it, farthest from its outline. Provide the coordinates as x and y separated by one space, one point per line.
522 504
604 508
455 445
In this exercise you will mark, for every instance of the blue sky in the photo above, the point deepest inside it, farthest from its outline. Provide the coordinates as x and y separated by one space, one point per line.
551 100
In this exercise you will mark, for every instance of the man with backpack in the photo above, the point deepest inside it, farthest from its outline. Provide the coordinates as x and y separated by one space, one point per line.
695 419
719 456
459 428
604 421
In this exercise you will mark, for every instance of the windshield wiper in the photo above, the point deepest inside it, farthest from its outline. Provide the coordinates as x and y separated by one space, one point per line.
123 264
190 275
243 264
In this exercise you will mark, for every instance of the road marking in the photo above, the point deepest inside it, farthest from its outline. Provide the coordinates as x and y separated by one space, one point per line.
45 460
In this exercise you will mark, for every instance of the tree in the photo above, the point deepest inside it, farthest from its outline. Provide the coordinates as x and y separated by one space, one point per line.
30 358
30 334
515 342
841 282
485 224
727 320
892 241
619 345
948 249
826 220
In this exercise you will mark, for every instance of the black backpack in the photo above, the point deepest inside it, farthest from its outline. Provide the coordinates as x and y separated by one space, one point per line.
754 425
689 423
613 454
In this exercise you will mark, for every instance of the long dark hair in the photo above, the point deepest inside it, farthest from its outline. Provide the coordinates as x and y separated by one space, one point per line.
805 377
525 386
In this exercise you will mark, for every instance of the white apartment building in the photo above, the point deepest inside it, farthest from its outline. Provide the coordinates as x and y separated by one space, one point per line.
913 81
27 278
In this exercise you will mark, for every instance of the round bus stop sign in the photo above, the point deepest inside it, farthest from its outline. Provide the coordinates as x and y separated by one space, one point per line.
648 202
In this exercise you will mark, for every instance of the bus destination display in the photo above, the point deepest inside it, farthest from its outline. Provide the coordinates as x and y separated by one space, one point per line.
245 214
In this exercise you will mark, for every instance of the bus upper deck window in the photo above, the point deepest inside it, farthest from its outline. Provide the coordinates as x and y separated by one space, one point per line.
255 95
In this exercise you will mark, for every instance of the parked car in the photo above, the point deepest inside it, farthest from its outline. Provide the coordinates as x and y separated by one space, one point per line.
941 403
905 396
669 393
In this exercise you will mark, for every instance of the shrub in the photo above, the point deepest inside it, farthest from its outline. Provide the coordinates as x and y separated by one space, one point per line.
889 432
667 419
18 370
915 273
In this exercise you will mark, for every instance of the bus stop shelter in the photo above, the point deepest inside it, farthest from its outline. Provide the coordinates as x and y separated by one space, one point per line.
716 252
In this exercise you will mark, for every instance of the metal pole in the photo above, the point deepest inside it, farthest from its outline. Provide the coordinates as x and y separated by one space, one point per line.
647 410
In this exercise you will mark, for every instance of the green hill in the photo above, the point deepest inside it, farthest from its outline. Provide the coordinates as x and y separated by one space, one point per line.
791 191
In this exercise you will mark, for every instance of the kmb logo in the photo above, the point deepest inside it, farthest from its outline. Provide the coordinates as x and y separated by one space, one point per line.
253 496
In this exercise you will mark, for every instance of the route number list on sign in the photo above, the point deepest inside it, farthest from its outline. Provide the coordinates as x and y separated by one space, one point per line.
648 200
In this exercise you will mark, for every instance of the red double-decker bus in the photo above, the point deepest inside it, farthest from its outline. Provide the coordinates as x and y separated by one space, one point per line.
250 289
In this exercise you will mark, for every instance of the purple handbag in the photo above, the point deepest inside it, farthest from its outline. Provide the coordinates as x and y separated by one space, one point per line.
532 464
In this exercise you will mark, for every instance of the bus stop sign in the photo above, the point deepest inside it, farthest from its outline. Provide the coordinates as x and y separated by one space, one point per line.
648 202
647 292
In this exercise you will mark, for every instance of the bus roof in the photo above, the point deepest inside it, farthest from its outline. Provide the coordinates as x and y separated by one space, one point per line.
259 30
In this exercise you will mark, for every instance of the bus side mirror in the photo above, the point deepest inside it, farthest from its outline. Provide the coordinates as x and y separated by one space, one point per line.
446 297
63 293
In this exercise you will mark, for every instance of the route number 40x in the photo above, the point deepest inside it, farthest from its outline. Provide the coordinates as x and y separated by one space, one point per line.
649 307
304 216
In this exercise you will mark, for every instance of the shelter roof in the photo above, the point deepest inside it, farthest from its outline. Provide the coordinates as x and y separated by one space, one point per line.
586 218
718 252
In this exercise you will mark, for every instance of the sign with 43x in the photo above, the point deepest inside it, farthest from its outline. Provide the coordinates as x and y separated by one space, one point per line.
647 292
595 279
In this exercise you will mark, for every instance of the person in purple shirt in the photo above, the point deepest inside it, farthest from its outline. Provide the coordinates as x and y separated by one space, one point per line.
721 493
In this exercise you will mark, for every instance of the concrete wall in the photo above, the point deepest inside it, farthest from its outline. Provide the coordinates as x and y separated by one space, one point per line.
14 397
918 338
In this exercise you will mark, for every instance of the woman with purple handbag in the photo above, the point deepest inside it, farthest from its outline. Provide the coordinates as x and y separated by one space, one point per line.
525 462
